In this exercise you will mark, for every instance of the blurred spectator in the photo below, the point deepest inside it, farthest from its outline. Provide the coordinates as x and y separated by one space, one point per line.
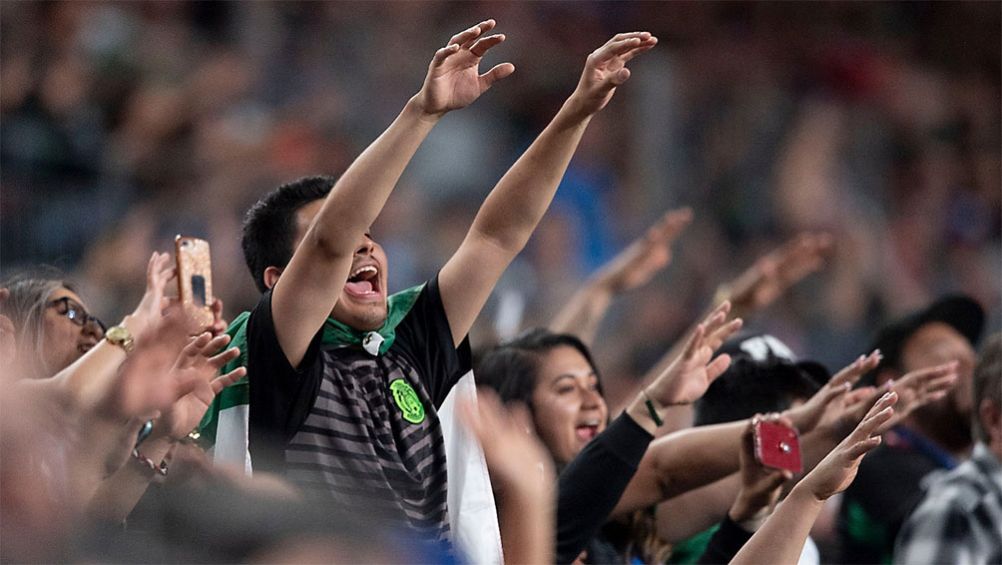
960 520
936 438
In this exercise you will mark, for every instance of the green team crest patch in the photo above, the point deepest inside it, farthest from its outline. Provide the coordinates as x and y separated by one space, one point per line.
407 401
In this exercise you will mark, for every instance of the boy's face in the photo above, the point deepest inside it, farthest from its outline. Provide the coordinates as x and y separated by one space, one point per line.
362 303
936 343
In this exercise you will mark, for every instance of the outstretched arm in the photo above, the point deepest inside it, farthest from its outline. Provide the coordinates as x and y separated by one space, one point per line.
691 458
632 268
769 278
309 288
511 211
782 537
195 372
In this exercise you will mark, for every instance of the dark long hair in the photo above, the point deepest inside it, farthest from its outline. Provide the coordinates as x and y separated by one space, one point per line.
512 368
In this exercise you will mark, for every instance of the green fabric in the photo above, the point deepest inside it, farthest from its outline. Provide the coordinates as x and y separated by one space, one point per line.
334 333
691 549
865 530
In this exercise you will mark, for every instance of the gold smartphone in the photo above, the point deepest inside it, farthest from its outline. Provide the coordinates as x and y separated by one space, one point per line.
194 278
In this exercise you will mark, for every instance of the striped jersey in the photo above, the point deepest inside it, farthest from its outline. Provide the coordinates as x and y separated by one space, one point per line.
356 428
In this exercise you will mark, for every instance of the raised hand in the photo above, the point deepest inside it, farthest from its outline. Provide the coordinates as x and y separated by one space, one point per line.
637 264
219 325
514 454
828 408
195 372
773 274
521 470
690 374
913 390
837 470
159 272
605 69
454 80
760 485
145 383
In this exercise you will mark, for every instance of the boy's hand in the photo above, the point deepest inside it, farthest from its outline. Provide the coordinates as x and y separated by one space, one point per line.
605 69
453 79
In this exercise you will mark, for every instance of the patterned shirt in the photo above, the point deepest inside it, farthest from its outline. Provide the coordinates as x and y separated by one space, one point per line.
357 429
960 519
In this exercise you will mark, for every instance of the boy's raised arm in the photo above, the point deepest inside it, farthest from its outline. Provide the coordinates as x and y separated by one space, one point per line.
311 284
513 209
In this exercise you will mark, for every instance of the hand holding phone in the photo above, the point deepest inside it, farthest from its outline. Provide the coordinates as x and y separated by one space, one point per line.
777 446
194 278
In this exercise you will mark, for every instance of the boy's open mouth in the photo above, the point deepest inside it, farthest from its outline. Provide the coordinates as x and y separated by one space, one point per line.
363 282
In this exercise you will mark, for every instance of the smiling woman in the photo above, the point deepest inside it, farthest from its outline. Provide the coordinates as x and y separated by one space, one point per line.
53 326
555 375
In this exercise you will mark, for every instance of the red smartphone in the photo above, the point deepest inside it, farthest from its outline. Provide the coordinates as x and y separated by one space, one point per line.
194 278
777 446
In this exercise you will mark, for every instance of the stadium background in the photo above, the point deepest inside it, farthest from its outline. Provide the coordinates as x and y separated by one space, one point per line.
124 123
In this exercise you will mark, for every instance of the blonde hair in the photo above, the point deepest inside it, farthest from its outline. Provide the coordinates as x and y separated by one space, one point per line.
29 298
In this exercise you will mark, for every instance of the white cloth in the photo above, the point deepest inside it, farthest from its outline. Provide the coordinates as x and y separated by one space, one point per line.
473 517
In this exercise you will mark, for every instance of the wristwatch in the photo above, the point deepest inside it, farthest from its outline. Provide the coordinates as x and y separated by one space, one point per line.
120 336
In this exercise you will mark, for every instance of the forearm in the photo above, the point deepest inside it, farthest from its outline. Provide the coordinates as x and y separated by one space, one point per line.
592 486
681 462
582 315
90 381
527 519
696 457
118 494
781 539
360 193
692 512
519 200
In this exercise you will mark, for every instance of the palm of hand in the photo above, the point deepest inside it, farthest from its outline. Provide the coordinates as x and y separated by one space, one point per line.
598 74
689 379
455 85
182 417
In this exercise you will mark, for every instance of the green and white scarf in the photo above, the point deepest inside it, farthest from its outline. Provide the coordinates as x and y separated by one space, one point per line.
236 397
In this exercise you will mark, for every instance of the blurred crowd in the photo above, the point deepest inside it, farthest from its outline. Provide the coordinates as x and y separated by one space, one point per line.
126 123
857 144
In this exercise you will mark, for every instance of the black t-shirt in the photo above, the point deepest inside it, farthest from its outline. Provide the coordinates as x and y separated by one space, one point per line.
886 489
357 428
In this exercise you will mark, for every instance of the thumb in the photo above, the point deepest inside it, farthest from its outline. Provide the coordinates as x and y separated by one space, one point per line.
495 74
618 78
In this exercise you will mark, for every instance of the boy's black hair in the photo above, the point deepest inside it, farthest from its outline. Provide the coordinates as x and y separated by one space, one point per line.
511 369
749 387
269 228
